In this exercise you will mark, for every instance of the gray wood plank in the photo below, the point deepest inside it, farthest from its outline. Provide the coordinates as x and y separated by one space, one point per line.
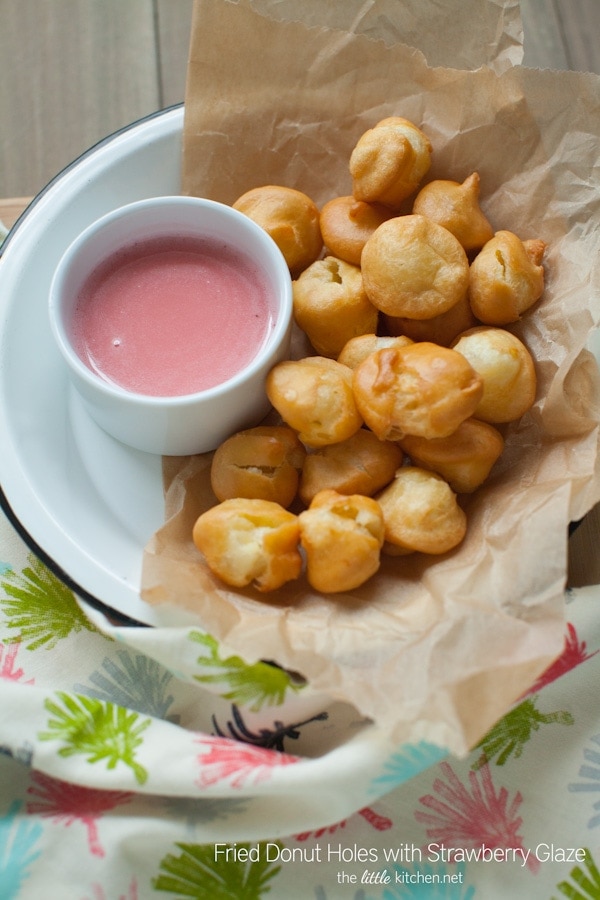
173 22
543 40
584 560
73 71
580 26
76 70
562 34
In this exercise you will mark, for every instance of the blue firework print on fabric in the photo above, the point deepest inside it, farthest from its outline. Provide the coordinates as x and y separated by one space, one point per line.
408 762
18 837
589 773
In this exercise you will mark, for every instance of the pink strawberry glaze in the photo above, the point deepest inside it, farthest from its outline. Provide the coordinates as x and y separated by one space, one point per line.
172 318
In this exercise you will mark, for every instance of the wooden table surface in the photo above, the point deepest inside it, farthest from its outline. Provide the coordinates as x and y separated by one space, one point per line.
74 71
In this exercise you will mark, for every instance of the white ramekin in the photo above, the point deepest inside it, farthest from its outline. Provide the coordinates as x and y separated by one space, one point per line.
192 423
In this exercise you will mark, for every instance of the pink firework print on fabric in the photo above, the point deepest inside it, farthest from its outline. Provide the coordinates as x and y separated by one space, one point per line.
475 816
70 803
224 759
98 892
573 655
379 823
8 659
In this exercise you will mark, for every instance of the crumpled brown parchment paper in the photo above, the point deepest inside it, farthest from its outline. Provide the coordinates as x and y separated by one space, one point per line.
433 649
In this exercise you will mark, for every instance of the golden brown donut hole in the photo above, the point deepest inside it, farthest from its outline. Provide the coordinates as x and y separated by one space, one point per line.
441 329
341 536
415 268
250 542
359 347
262 462
331 305
421 513
506 368
421 389
389 161
456 207
506 278
290 217
348 223
362 464
314 397
464 458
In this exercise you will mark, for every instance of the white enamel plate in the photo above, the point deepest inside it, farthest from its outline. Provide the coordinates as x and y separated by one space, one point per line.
84 502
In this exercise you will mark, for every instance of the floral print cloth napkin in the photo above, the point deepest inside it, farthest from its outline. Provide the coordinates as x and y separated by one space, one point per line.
138 763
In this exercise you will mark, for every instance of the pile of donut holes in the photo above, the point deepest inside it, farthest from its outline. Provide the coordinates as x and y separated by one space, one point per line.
400 410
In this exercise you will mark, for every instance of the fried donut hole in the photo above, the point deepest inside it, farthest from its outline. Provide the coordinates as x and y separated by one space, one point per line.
506 278
506 368
464 458
456 207
362 464
415 268
422 389
441 329
389 162
342 537
262 462
314 397
348 223
250 542
290 217
331 305
359 347
421 514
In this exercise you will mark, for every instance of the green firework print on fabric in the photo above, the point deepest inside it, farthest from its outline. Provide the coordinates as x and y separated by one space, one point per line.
39 609
254 685
208 872
585 881
508 737
96 729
